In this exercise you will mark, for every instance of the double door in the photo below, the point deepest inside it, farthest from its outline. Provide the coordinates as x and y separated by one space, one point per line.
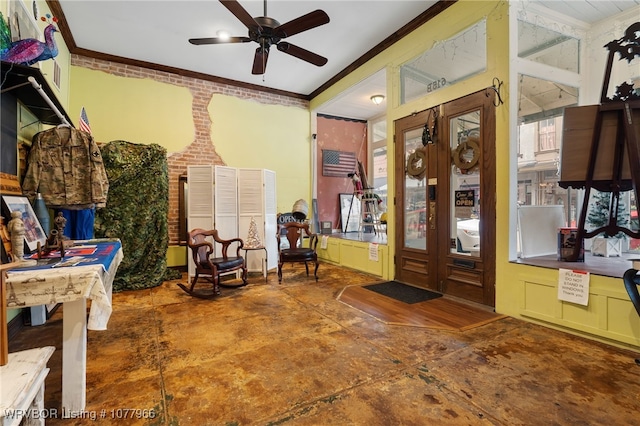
445 199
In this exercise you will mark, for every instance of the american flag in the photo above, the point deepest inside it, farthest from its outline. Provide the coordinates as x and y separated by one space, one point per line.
338 163
84 121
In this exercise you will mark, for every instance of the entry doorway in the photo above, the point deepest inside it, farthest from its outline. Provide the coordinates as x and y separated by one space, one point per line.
445 199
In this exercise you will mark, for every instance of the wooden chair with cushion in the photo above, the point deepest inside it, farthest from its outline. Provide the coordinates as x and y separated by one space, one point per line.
631 281
210 268
294 232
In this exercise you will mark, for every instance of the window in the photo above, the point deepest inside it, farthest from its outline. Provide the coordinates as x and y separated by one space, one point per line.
56 74
545 46
547 134
551 61
549 75
447 62
540 114
378 170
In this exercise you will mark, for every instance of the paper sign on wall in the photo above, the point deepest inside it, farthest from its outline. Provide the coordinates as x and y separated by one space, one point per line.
573 286
323 241
373 252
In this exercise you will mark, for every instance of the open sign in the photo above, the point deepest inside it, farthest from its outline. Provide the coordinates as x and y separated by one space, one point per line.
465 198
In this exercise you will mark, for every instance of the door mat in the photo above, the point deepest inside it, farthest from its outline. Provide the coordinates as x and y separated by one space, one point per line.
441 313
403 292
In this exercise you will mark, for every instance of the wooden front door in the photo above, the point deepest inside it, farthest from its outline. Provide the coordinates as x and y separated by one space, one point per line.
445 199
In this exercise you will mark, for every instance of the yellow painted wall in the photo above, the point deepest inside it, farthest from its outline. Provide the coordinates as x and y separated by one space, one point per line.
275 137
245 133
138 110
176 256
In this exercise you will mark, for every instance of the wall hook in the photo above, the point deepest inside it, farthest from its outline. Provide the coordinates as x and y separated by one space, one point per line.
497 86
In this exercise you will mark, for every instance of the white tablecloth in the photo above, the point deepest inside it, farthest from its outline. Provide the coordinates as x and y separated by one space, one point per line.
59 285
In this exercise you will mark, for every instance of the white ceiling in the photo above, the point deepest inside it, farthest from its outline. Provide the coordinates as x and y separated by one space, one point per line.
589 11
157 32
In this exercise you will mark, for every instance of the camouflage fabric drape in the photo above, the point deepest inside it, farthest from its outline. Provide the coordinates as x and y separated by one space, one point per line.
136 212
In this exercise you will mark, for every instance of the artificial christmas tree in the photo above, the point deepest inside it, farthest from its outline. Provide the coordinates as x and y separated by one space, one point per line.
602 244
253 239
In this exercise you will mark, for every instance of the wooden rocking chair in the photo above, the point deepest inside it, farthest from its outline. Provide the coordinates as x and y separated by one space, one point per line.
210 268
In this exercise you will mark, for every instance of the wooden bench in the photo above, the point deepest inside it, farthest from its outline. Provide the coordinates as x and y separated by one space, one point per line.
22 396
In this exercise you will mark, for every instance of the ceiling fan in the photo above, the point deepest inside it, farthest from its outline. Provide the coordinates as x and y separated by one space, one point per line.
267 32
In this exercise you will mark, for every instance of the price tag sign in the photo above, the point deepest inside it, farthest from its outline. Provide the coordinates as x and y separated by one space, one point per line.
573 286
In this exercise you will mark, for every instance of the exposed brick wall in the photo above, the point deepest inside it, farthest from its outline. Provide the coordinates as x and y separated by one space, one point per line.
201 150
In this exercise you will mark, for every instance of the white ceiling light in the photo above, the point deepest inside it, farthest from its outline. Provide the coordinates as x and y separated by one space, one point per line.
377 99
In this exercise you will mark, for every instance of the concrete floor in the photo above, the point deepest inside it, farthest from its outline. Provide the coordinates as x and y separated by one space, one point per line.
291 354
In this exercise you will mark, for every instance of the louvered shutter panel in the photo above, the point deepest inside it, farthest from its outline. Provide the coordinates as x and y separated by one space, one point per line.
250 202
226 195
200 202
270 217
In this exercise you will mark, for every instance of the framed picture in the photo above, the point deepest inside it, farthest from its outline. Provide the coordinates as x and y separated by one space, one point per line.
349 212
34 233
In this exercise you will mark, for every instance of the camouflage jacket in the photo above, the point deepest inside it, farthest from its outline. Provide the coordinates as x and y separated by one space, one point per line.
65 166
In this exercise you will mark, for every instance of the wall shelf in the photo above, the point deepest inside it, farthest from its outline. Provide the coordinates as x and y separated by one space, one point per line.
14 78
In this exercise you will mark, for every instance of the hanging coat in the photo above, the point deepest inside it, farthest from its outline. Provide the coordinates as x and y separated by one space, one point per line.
65 166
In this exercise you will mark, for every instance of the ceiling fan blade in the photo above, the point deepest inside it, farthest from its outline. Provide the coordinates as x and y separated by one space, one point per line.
303 23
260 61
240 12
218 40
301 53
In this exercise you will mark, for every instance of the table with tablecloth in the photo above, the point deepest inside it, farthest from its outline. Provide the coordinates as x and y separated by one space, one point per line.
86 272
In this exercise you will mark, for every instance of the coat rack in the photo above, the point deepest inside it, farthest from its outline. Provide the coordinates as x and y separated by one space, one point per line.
601 144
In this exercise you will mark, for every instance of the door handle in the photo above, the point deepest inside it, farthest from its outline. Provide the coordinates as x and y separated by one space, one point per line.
432 214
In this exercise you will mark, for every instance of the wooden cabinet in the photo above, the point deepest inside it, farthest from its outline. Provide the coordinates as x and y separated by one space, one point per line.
332 251
357 255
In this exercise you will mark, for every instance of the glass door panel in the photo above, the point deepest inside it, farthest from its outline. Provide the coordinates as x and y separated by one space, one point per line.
415 193
465 142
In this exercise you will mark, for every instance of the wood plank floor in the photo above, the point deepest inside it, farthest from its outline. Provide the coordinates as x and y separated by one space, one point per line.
441 313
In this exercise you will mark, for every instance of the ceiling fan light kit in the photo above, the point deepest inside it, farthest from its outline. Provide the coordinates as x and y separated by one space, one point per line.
223 34
267 32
